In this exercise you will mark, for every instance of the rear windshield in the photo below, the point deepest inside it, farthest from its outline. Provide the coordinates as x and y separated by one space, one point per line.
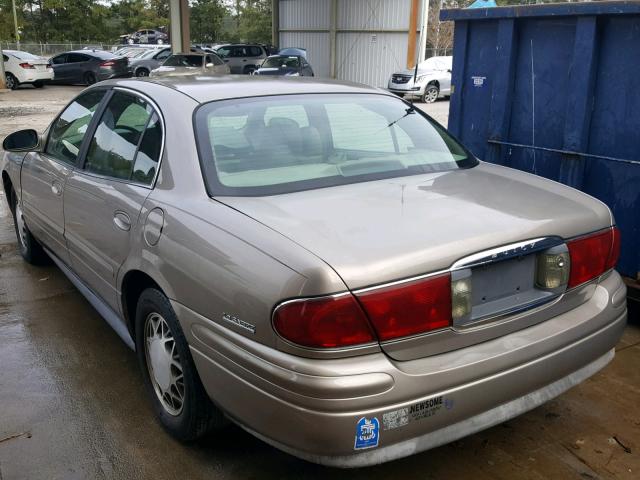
22 55
184 61
279 144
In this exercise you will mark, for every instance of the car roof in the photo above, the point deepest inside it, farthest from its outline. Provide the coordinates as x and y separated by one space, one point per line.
203 88
102 54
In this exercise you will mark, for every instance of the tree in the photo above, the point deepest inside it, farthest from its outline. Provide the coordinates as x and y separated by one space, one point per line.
207 20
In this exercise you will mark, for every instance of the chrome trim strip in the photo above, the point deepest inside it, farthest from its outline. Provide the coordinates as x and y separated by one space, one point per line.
507 251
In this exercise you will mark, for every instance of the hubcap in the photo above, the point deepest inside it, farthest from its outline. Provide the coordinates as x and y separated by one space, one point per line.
22 227
9 81
163 363
432 95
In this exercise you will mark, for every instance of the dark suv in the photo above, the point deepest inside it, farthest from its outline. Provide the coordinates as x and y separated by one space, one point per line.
242 58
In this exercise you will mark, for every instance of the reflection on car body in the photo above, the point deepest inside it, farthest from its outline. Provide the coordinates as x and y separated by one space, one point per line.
322 250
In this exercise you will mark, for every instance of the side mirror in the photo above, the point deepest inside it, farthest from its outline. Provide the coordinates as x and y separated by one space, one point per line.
209 65
21 141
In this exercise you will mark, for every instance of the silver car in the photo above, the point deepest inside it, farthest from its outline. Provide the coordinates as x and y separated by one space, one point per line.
151 59
319 262
182 64
430 81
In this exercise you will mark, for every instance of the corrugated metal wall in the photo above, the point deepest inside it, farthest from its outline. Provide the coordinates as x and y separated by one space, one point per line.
371 36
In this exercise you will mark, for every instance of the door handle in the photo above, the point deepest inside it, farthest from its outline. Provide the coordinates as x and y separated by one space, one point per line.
56 188
122 221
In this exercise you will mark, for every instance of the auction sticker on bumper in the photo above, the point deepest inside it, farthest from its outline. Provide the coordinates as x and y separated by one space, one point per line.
417 411
367 433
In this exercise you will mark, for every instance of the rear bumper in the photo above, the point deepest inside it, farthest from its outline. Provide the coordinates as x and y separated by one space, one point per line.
311 408
30 76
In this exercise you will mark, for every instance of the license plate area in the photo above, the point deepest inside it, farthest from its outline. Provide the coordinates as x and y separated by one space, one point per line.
502 286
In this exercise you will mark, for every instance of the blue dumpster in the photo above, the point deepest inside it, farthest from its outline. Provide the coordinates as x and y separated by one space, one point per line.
555 90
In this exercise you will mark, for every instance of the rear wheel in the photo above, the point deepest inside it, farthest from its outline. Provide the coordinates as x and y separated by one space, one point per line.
30 249
90 78
160 41
179 399
142 72
249 69
430 94
11 81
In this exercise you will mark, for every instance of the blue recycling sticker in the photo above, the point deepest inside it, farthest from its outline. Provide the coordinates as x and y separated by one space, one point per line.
367 433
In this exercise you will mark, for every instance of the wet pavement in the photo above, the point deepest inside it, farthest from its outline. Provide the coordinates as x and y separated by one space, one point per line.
72 404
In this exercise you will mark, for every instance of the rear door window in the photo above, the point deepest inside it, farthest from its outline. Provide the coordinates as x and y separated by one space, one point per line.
76 58
60 59
126 143
69 129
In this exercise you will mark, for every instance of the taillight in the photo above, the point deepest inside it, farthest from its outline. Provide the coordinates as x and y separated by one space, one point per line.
409 308
26 65
107 63
593 255
325 322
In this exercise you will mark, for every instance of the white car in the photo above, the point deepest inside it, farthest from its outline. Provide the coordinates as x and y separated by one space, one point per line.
432 80
23 67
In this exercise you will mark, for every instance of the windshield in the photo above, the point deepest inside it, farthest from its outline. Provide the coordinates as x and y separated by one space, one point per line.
280 144
281 62
184 61
436 63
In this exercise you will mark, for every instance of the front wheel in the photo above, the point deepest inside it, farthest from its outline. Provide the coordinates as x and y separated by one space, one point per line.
179 400
142 72
30 249
430 94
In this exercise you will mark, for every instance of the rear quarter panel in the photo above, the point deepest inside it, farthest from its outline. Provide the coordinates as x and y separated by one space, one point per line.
211 258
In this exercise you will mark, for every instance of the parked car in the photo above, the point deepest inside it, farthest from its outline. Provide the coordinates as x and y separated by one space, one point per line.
88 67
143 65
432 80
285 65
242 58
319 261
193 63
145 36
25 68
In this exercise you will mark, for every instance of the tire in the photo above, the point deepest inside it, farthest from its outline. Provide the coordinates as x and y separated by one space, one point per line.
90 78
30 249
179 400
430 94
160 41
38 84
130 41
11 81
249 69
142 72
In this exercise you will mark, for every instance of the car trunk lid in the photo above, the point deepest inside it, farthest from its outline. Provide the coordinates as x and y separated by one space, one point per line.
379 232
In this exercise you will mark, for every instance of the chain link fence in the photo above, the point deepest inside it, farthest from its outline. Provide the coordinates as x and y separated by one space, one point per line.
50 49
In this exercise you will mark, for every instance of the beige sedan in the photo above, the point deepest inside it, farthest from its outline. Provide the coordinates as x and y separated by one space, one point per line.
319 262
